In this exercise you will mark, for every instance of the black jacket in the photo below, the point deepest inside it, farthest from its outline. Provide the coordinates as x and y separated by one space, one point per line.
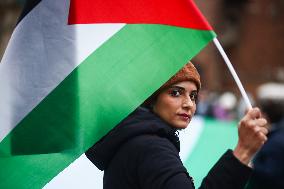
142 152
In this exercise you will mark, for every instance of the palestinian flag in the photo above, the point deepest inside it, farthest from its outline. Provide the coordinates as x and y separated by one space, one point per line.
74 69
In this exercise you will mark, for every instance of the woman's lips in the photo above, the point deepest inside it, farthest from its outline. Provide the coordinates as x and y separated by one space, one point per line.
184 117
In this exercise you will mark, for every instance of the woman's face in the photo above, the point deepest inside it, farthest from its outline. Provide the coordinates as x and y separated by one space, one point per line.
177 104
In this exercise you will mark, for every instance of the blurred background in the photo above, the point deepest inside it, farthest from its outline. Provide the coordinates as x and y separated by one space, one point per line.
251 32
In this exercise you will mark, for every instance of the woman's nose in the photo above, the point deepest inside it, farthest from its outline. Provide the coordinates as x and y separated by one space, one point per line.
187 102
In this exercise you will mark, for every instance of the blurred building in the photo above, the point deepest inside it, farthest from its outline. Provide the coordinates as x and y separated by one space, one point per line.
251 31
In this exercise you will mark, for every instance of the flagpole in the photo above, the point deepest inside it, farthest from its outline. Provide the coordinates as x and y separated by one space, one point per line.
233 72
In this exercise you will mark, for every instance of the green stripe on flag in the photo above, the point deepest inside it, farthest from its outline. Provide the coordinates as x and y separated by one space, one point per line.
216 138
98 94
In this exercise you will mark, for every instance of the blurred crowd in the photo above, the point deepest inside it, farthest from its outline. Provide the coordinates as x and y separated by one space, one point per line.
223 106
227 106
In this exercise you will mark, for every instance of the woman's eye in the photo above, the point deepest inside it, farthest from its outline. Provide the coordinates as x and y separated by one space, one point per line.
175 92
193 96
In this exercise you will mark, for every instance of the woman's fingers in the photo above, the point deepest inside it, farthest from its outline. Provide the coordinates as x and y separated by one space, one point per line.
250 121
253 113
262 137
252 134
263 130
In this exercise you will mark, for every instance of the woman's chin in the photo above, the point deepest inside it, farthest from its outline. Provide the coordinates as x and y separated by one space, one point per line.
180 125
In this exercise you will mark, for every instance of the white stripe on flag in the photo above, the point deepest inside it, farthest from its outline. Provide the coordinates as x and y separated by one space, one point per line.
80 174
35 60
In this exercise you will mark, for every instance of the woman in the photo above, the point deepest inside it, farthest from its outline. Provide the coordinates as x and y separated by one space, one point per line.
143 150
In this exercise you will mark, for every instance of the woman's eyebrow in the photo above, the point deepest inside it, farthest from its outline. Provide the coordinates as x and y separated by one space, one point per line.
177 87
181 88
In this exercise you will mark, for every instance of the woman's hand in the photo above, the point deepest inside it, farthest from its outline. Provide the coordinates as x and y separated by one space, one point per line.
252 132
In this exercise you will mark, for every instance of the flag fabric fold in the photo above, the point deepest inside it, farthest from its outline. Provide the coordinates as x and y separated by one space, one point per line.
69 75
